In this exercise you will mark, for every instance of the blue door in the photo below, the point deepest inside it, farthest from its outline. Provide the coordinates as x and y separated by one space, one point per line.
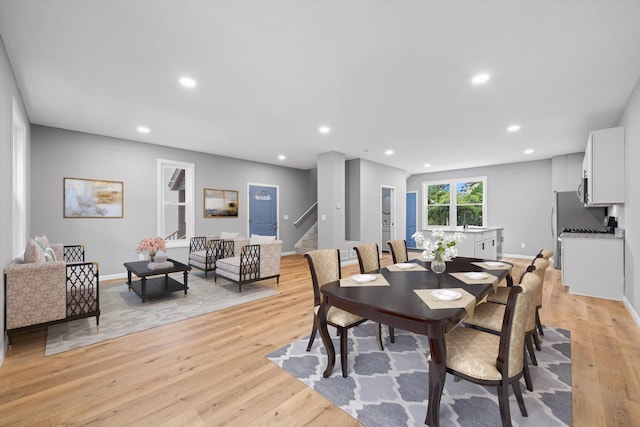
411 219
263 207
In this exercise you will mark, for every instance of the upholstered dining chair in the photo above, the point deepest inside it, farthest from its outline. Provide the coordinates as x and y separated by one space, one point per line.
369 261
324 265
541 265
494 360
398 250
488 317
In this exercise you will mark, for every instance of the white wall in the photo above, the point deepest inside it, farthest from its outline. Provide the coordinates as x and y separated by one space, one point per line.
630 213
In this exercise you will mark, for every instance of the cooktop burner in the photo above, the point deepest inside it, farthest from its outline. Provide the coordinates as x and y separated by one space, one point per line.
585 230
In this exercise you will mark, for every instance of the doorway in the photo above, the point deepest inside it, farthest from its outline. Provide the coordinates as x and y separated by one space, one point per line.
263 210
387 216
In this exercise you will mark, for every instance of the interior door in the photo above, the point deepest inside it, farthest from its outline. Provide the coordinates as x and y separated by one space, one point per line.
263 210
412 214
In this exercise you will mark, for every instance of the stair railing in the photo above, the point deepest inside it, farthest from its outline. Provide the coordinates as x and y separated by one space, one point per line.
307 212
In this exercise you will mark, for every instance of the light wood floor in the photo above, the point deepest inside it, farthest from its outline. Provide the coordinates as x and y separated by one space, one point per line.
212 370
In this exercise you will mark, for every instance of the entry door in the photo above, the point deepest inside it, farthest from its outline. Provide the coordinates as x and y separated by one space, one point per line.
411 218
263 210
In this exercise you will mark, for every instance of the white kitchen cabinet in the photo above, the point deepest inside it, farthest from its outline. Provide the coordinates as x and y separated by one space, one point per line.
593 266
479 243
603 167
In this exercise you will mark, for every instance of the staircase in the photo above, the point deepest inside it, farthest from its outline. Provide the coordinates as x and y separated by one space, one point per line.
309 241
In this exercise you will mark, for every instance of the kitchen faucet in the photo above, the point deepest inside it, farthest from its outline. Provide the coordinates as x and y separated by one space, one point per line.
464 217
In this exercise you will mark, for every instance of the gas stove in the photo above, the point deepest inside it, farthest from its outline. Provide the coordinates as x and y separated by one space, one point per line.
588 230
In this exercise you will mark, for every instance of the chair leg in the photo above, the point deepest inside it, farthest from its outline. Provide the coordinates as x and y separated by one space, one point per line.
526 373
392 334
538 322
503 400
536 340
314 329
343 352
379 336
529 343
516 390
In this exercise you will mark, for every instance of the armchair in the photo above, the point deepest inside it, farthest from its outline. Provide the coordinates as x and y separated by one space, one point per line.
43 293
255 262
205 251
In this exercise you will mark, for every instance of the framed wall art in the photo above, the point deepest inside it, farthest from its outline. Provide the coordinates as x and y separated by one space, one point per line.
220 203
93 198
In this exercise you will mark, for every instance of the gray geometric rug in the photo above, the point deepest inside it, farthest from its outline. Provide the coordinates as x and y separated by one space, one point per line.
121 312
390 387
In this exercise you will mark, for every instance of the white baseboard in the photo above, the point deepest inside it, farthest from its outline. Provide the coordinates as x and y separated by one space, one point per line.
631 310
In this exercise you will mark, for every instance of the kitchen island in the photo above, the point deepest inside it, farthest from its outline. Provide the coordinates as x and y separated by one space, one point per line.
480 242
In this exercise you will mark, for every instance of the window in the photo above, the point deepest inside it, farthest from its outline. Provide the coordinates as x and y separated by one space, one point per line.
175 202
454 202
19 169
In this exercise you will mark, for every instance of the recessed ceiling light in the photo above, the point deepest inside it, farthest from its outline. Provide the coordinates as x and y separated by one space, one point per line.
528 151
143 129
427 165
324 130
282 157
479 79
388 152
187 82
513 128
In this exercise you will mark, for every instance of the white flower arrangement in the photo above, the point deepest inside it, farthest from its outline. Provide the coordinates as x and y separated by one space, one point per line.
443 245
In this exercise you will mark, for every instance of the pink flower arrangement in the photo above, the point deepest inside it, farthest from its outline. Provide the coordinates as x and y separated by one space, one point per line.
151 245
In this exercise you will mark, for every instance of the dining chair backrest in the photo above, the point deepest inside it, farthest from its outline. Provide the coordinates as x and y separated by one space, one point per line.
368 257
519 309
532 283
324 265
398 250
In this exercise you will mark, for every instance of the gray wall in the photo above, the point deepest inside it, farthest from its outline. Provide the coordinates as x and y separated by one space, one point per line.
8 90
58 153
630 212
519 198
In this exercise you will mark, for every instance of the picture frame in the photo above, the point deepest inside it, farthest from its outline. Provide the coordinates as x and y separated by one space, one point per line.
92 198
220 203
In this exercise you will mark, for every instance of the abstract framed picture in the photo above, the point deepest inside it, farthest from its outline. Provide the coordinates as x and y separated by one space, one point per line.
220 203
93 198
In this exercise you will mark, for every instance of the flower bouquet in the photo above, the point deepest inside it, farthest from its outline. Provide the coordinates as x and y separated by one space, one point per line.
442 248
151 245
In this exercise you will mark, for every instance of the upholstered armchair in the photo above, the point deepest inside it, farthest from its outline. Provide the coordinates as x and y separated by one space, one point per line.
205 251
256 262
40 293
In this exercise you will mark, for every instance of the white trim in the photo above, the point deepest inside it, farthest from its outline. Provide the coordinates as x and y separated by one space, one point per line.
18 179
189 201
631 310
452 200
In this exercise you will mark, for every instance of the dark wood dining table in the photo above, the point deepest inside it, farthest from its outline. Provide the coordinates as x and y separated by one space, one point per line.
398 306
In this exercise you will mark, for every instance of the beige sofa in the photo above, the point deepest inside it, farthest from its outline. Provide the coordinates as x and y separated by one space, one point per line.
45 292
255 262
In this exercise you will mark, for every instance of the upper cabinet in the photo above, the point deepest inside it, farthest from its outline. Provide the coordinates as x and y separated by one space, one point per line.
603 168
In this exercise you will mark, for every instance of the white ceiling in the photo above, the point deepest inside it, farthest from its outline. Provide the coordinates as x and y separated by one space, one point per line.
382 74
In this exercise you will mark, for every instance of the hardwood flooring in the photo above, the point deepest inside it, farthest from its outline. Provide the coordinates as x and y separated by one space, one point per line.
211 370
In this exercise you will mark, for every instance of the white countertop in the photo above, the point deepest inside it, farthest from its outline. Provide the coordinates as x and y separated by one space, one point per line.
619 234
471 229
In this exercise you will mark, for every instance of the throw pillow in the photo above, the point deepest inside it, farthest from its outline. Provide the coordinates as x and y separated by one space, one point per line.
228 235
256 239
33 252
49 253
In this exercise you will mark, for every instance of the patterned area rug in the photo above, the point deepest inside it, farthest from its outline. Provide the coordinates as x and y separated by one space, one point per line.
123 314
390 388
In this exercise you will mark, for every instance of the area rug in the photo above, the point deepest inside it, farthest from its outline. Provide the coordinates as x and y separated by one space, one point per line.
390 387
123 314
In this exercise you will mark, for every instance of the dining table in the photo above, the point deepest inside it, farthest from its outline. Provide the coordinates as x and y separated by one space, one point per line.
398 305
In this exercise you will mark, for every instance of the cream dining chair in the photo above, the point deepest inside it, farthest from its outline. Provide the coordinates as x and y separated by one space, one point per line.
398 250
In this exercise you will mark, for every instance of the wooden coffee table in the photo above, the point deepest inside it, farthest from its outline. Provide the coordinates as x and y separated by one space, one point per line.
149 286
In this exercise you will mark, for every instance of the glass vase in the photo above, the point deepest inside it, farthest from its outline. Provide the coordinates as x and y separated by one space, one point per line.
438 265
152 256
